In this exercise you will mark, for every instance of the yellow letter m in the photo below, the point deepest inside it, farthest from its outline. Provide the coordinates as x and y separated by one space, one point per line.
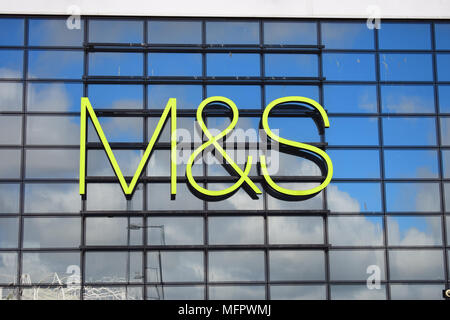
128 188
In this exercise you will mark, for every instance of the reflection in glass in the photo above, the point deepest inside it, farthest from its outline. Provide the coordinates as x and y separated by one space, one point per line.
158 195
10 129
245 97
236 266
232 65
241 200
118 129
54 32
442 34
406 67
443 64
115 64
9 230
411 36
411 164
113 293
242 292
366 127
357 292
280 91
174 64
284 164
53 130
416 265
11 63
52 163
297 265
444 99
347 35
290 33
352 264
355 231
10 163
175 293
43 267
236 230
412 197
297 292
52 197
53 96
98 163
232 32
354 197
51 232
349 66
175 266
174 230
314 203
115 31
174 32
350 98
116 96
9 197
416 291
347 163
407 99
295 230
8 267
188 96
11 32
110 196
10 96
41 64
411 131
114 231
291 65
113 267
302 129
414 231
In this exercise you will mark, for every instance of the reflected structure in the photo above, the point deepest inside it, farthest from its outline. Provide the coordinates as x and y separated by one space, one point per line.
387 95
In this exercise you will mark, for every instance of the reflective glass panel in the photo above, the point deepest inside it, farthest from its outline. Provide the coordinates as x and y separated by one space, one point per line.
174 230
416 265
352 264
232 65
414 231
314 203
444 99
116 96
55 32
232 32
10 130
442 35
291 65
418 131
236 266
113 267
41 64
412 36
236 230
54 96
114 231
411 164
178 32
297 292
280 91
357 292
10 163
443 64
297 265
247 292
52 197
11 63
9 231
354 197
115 64
11 32
9 197
245 97
290 33
355 231
406 67
339 134
158 195
412 197
116 31
53 130
175 292
347 163
407 99
175 266
347 35
10 96
295 230
174 64
110 196
349 66
43 267
52 163
8 267
350 98
416 291
188 96
52 232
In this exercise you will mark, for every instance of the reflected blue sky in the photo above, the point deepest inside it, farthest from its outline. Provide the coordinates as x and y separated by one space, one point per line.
411 164
364 131
291 65
69 66
245 97
227 32
174 64
11 63
355 163
349 66
115 64
113 31
232 65
11 32
406 67
413 131
407 99
121 96
350 35
443 65
179 32
188 96
413 36
442 34
54 32
290 33
350 98
444 99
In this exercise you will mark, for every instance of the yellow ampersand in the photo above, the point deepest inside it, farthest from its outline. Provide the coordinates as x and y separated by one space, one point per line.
213 140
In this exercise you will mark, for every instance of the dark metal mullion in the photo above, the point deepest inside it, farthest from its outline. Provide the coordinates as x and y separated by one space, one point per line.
382 169
23 161
440 162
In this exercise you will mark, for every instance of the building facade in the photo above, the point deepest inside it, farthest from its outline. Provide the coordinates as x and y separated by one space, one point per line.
379 230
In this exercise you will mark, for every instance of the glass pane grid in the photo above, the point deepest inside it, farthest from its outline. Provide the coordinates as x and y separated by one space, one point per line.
406 198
